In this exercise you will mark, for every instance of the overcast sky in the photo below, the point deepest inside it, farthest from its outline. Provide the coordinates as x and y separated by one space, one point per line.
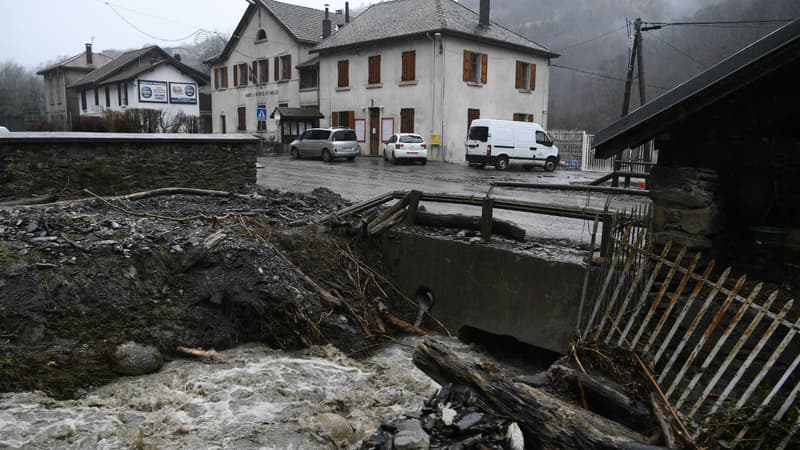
33 32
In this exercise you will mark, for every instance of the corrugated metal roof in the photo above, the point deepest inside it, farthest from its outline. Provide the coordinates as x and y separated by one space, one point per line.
399 18
710 86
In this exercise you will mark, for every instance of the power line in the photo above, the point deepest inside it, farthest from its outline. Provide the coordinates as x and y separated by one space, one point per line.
656 25
148 34
591 39
601 75
699 63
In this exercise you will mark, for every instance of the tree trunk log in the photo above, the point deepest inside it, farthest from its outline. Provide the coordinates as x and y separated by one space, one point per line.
499 227
546 421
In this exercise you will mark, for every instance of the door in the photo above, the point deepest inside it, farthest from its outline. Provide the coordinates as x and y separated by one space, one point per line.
374 131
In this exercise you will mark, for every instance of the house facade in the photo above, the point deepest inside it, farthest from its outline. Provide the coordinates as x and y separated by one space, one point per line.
62 105
148 78
267 64
432 74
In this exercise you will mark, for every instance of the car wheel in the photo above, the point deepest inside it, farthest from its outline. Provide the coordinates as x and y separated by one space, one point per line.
424 161
351 158
384 155
501 163
295 154
394 160
326 155
550 165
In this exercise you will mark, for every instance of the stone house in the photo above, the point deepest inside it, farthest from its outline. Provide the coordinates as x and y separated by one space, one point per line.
728 173
61 105
147 78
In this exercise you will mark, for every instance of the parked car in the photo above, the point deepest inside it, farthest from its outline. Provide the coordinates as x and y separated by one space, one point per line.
506 142
405 147
325 143
4 130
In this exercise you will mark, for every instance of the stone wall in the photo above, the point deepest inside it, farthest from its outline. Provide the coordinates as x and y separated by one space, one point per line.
686 206
111 163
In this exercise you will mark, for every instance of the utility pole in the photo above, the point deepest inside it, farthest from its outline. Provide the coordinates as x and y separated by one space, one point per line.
636 54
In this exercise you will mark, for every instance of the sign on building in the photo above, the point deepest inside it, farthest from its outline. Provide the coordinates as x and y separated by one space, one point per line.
152 91
183 93
261 114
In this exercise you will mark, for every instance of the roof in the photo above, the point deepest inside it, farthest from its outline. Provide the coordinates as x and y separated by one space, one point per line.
379 22
759 59
130 64
302 23
297 113
78 62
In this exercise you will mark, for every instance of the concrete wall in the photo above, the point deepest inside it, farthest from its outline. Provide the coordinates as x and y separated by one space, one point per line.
531 298
117 163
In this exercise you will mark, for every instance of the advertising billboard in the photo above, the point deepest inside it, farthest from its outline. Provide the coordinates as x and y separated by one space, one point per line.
152 91
185 93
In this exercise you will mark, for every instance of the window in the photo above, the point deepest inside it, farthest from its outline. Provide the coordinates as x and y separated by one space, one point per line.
222 123
407 120
124 88
411 139
472 114
261 35
263 70
344 74
523 117
343 119
261 125
283 67
240 75
374 76
108 97
242 115
526 76
475 67
409 66
221 78
83 100
283 105
543 139
96 96
119 94
309 77
254 72
392 139
345 135
479 134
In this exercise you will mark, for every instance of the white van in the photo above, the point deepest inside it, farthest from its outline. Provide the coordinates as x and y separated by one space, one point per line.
504 142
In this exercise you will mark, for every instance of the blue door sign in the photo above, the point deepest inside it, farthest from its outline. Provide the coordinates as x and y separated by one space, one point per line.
261 114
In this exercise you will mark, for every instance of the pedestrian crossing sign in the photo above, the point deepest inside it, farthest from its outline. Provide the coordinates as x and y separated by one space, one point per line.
261 114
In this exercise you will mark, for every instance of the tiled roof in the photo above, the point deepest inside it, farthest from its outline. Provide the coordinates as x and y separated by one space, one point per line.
79 62
115 66
398 18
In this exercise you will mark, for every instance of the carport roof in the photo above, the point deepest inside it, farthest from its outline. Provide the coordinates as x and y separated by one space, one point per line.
297 113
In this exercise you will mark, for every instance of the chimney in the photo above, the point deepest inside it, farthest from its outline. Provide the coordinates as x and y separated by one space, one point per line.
346 12
177 57
88 54
326 24
484 19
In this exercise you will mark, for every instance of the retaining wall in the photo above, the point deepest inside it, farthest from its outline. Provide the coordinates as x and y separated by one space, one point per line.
120 163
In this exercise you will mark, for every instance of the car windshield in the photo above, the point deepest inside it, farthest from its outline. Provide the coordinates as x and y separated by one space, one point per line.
411 139
479 134
344 135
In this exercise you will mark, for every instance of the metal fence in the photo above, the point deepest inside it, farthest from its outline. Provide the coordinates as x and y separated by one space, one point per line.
576 152
715 345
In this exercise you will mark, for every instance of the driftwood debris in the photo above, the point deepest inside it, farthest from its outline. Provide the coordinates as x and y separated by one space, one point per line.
663 421
398 322
499 227
327 296
389 217
196 254
601 397
205 355
546 421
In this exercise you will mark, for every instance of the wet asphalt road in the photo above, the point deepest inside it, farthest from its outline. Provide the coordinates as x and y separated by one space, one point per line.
367 177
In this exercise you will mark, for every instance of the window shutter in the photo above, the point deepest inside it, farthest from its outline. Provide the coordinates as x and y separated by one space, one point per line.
266 70
484 67
255 72
516 115
351 122
216 78
277 73
518 78
288 67
530 117
467 54
335 119
412 70
374 69
409 63
235 76
533 77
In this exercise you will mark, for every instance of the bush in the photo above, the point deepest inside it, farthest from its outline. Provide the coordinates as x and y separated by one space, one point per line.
137 120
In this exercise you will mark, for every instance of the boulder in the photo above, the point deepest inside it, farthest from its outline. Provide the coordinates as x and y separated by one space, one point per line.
337 426
411 436
132 358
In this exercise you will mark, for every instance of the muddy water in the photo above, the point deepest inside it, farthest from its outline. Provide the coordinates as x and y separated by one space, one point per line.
255 398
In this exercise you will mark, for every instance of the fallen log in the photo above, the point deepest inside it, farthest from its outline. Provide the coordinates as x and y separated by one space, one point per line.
499 227
546 421
389 217
663 422
398 322
138 196
602 398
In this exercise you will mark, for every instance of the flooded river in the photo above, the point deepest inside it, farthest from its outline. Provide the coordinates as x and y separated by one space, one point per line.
255 398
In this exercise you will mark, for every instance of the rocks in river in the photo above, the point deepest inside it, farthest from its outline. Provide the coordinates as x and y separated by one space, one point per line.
411 436
132 358
337 427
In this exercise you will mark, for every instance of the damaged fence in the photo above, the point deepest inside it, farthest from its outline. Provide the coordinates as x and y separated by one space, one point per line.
719 344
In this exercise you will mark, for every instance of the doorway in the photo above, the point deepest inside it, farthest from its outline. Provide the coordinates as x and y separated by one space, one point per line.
374 131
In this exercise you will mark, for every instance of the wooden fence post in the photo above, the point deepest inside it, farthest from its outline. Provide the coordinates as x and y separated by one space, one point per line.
413 204
486 219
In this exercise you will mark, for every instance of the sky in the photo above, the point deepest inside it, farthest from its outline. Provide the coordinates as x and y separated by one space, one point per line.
35 32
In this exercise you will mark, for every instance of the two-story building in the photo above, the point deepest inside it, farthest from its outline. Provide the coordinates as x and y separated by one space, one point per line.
147 78
61 105
267 65
429 67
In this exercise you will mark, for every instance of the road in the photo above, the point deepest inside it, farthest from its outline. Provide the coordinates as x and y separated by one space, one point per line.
367 177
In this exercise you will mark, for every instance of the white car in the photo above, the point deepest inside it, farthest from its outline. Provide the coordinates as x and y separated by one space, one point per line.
406 147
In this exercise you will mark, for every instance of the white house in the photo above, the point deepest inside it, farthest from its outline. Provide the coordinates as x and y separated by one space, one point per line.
266 64
148 78
430 67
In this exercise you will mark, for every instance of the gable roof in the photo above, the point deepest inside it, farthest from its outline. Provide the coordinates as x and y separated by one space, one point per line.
78 62
759 59
130 64
380 22
304 24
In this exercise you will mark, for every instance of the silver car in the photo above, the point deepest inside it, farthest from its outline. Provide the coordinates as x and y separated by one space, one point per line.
325 143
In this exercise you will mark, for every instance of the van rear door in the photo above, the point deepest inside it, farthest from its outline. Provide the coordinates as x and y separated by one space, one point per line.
476 143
